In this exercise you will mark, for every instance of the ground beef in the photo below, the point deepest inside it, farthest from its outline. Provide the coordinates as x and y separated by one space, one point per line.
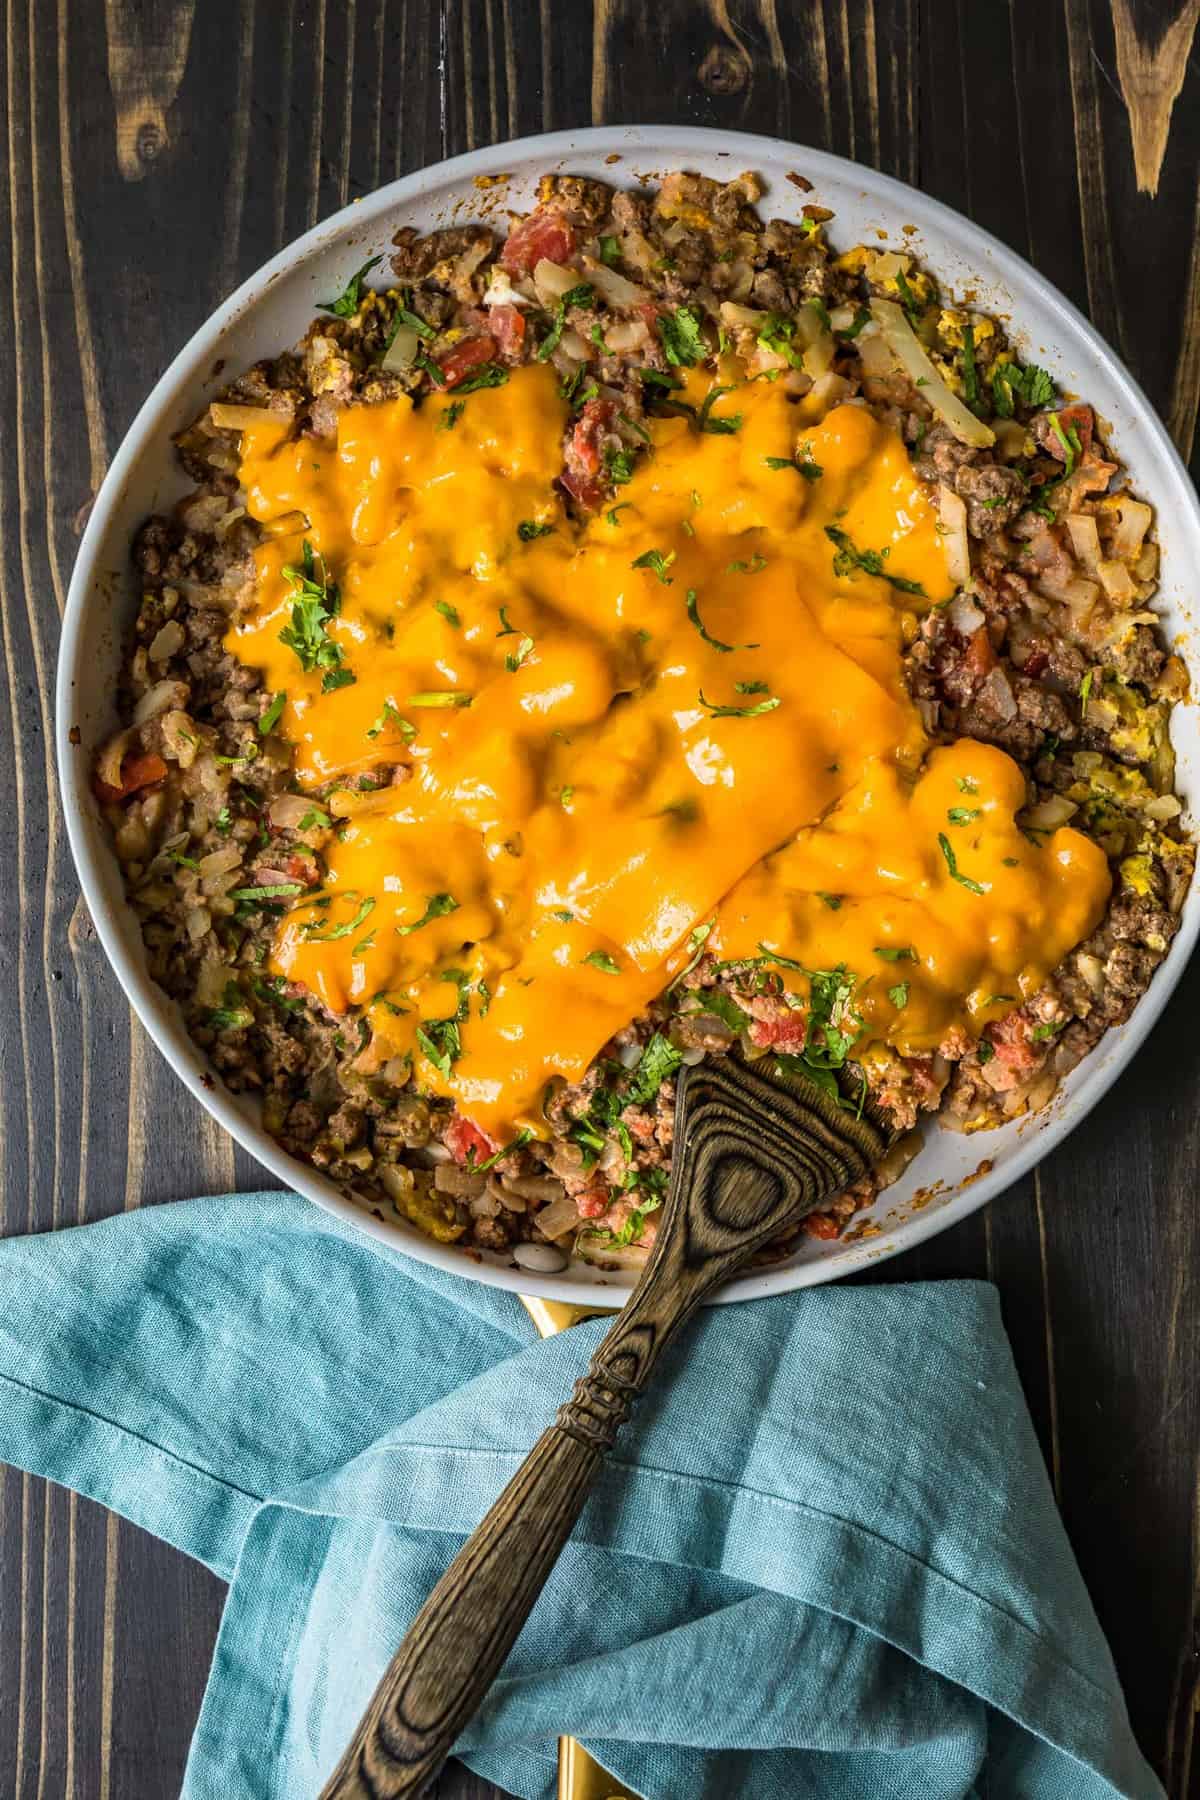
1016 680
994 496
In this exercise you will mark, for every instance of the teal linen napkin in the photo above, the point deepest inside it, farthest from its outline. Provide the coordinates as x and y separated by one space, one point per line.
824 1562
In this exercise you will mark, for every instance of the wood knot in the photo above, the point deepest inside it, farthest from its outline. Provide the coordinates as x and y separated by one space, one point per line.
151 140
723 70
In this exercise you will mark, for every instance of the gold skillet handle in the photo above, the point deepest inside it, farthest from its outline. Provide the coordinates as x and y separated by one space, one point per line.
580 1776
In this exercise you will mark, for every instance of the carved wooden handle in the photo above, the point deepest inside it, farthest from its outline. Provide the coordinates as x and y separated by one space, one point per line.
752 1156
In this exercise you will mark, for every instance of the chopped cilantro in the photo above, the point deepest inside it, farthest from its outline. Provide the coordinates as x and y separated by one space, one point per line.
898 995
963 815
389 716
350 298
985 1050
515 658
947 850
583 295
330 934
271 717
679 333
450 415
612 512
441 697
487 375
706 420
659 1059
315 602
739 712
276 890
600 959
610 251
693 613
1032 385
449 613
849 557
529 529
755 566
619 464
657 563
518 1143
315 817
896 952
438 907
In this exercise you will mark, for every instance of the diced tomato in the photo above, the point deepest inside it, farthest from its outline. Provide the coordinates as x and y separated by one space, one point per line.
648 311
508 327
470 354
542 235
1012 1040
787 1034
822 1225
581 476
1036 663
980 658
461 1138
594 1201
1079 419
303 868
137 772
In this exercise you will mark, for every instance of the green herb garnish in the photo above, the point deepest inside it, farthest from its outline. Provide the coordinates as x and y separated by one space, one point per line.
272 716
350 298
600 959
657 563
849 558
583 295
438 907
947 850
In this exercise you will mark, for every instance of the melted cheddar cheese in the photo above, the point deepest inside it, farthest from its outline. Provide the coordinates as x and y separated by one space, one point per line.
603 735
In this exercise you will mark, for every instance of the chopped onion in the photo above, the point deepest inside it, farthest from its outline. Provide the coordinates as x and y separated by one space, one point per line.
287 810
1134 521
1010 438
573 346
827 390
953 514
219 862
348 803
629 334
559 1218
1050 813
1118 582
949 408
501 292
166 641
625 1256
1163 806
616 289
1085 539
999 689
402 351
108 763
243 418
735 315
159 698
552 281
397 1181
287 524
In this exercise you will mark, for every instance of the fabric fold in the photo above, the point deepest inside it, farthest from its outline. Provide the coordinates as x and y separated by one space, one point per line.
824 1560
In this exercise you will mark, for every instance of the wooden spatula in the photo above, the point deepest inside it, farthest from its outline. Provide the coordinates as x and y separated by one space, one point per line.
754 1152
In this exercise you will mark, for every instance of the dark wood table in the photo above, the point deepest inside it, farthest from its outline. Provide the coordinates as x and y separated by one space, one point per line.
157 153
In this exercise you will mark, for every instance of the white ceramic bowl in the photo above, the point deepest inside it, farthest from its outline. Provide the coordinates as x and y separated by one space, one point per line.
953 1175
